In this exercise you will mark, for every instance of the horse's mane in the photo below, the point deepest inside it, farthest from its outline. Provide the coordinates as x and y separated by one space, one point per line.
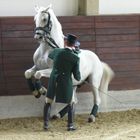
57 25
39 11
53 16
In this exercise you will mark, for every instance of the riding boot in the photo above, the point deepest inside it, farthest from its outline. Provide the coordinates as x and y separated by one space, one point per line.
47 108
71 118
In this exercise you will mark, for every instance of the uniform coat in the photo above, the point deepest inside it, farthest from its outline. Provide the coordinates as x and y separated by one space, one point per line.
66 63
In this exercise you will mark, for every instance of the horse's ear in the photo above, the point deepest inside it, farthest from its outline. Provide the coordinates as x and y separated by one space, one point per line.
36 8
50 6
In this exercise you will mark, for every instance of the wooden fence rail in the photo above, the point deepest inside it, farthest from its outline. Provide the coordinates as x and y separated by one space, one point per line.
115 39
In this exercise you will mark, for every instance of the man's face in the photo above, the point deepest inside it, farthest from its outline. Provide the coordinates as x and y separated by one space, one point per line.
65 42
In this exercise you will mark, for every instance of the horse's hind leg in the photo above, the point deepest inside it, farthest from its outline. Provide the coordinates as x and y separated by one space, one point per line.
61 113
97 101
64 110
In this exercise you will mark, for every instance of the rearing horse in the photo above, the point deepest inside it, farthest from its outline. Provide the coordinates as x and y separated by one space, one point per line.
49 33
42 64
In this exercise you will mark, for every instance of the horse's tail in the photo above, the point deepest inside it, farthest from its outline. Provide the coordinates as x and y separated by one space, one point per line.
108 75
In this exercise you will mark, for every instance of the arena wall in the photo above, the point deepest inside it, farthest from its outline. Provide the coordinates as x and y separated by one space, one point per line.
115 39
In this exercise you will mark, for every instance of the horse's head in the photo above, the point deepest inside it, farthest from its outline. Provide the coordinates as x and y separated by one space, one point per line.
43 22
48 28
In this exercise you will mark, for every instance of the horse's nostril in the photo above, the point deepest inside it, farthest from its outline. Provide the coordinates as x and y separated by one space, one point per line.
40 37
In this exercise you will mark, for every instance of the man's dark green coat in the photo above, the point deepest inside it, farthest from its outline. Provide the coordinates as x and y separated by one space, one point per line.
66 63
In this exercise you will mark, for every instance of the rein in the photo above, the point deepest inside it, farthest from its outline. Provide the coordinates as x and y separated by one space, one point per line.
51 42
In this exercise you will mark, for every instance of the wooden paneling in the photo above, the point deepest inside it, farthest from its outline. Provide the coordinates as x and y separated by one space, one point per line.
118 44
18 46
17 24
81 26
115 39
3 89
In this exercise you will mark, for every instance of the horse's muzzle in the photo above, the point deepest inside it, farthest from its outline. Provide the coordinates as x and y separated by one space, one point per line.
38 36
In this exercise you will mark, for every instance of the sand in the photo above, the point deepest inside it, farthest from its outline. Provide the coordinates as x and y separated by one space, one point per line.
124 125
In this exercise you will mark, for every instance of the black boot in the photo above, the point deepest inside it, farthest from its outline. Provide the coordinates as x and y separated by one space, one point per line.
71 118
47 109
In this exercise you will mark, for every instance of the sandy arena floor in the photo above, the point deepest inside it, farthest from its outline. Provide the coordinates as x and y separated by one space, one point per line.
123 125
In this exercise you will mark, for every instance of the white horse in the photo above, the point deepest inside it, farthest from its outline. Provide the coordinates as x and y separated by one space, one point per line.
49 33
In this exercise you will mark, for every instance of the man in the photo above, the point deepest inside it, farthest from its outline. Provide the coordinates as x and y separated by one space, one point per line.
66 63
76 46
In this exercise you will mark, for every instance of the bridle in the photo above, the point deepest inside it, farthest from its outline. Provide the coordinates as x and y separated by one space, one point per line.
47 29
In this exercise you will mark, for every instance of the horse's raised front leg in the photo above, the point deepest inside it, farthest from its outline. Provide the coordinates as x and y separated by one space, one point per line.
29 76
41 73
97 101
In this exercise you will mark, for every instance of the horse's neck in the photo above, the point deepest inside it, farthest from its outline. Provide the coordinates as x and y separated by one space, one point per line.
40 56
58 37
42 51
56 32
43 48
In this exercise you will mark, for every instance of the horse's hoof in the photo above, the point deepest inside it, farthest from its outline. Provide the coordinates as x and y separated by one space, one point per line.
97 116
71 128
55 117
38 96
44 93
46 128
91 118
43 90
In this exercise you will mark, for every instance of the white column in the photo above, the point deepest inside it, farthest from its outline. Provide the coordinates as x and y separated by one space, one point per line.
88 7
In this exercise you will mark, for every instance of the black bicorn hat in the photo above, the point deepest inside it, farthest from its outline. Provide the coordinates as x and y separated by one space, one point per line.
72 39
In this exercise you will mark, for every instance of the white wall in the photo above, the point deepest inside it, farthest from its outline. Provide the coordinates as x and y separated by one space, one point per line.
119 6
26 7
66 7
